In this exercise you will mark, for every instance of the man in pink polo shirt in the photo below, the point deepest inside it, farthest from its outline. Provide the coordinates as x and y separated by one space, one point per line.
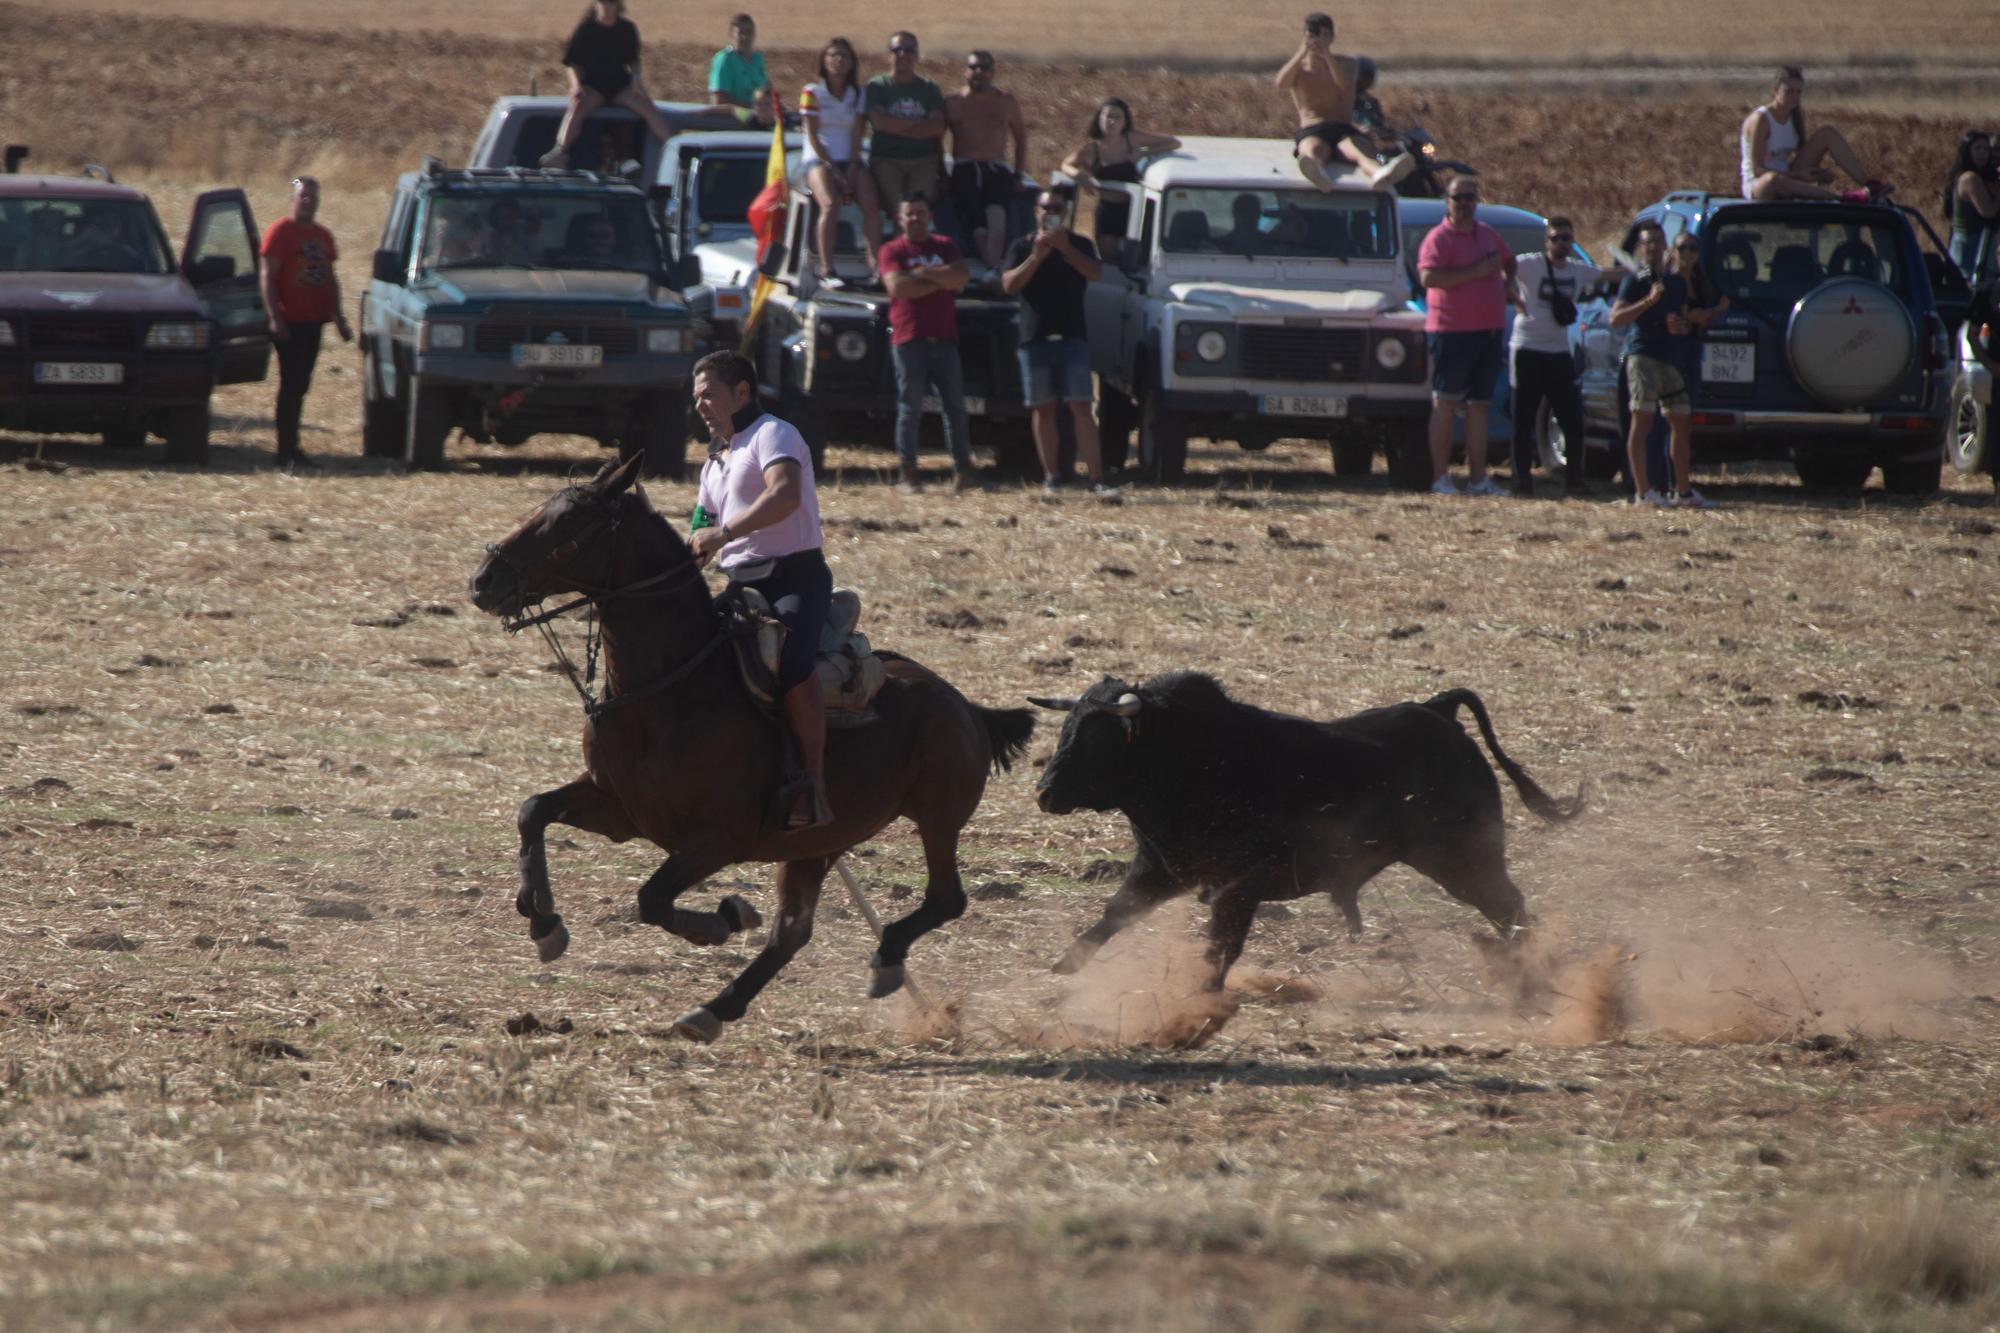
1465 269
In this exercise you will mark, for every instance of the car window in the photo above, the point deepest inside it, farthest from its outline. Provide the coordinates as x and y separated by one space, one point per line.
46 235
223 236
515 229
726 185
1771 262
1278 223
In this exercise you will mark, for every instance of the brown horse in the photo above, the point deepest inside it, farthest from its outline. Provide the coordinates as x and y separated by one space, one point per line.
677 752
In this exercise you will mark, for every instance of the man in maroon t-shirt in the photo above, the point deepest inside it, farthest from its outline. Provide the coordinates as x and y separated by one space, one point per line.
923 274
301 295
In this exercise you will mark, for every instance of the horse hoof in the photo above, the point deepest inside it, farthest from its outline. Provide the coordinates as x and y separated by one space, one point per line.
698 1025
737 911
1067 966
888 980
551 937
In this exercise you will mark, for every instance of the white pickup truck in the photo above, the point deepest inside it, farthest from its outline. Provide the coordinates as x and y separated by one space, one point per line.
1248 306
708 179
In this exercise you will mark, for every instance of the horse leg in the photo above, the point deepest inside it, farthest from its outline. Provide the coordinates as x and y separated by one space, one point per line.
677 874
798 896
944 900
1146 886
581 804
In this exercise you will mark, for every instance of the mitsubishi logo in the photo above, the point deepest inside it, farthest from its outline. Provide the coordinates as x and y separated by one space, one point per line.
1853 307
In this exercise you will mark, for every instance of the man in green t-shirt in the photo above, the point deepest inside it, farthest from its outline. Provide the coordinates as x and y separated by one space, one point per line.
906 113
736 77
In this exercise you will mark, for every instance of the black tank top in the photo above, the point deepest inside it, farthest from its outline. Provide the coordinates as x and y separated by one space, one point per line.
1965 215
1121 173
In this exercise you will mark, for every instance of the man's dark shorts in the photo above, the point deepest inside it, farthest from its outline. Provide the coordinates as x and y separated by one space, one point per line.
1333 131
1465 366
978 186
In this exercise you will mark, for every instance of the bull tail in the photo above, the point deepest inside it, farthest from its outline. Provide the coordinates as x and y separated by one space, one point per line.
1532 795
1007 731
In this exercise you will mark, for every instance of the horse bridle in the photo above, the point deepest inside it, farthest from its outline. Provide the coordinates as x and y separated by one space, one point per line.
604 524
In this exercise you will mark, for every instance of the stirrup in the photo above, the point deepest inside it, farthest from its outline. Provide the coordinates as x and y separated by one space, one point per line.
822 813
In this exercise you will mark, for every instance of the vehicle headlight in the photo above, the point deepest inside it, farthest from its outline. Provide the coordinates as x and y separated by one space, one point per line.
1390 353
1212 345
178 337
666 342
6 333
851 345
444 336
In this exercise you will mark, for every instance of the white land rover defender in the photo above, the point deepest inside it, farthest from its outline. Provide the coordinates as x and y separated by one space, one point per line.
1246 305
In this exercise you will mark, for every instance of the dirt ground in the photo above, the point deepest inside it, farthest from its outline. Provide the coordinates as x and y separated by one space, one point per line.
265 1059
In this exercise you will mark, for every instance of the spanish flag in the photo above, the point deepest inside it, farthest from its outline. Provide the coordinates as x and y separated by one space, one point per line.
767 223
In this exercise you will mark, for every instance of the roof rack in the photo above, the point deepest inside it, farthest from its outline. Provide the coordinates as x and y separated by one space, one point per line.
527 175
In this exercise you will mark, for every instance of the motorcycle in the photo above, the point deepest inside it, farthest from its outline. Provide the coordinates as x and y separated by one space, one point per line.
1424 181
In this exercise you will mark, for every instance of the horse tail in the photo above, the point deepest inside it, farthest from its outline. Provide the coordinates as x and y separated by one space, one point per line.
1532 796
1007 731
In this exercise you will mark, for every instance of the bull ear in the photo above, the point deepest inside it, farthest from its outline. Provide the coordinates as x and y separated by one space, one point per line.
1126 706
1053 705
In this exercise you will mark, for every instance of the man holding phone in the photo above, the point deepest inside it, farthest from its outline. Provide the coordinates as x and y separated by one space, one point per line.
1050 271
1322 87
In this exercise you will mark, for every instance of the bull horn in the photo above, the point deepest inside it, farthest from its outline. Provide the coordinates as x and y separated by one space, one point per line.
1127 705
1054 705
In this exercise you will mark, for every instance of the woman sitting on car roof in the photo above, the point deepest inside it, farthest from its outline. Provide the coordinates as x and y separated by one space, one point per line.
603 62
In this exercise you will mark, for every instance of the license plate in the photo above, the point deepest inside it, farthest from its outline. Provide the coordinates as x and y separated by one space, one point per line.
1729 363
974 407
564 355
1301 405
79 372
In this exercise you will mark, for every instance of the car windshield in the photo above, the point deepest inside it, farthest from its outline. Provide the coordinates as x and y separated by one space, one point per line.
45 235
1285 224
725 187
1770 262
521 229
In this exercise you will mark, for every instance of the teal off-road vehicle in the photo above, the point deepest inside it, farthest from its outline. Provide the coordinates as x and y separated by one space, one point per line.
512 302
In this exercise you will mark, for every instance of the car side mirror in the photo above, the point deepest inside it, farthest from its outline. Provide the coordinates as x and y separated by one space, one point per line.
682 273
210 269
388 267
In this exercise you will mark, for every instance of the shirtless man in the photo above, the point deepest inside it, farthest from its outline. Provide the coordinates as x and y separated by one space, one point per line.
981 120
1322 87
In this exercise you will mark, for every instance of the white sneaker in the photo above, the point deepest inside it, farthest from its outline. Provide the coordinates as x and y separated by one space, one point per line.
1692 499
1652 500
1484 486
1444 486
1393 170
555 160
1314 170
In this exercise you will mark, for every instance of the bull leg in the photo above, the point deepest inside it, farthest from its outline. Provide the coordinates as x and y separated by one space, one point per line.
1471 866
943 901
1343 881
1146 886
581 804
676 875
1229 921
798 897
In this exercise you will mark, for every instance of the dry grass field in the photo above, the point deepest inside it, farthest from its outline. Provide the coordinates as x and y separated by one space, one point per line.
264 1054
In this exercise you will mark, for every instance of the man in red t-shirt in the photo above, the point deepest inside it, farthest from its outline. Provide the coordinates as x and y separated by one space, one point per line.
301 295
923 274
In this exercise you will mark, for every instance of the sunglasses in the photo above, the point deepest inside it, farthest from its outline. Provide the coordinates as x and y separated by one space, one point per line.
1561 239
1687 248
979 64
1463 198
902 50
1048 208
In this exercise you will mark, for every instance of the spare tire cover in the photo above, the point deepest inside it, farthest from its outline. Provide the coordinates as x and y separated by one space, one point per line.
1849 341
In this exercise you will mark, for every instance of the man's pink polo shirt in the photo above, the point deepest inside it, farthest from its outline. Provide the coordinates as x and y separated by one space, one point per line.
1471 307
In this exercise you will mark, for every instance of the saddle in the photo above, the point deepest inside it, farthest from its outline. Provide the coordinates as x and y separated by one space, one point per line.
850 674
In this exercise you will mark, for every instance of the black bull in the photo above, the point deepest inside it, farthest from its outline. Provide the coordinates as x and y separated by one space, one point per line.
1250 806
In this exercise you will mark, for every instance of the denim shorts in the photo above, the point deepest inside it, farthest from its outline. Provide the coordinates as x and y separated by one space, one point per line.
1052 368
1464 365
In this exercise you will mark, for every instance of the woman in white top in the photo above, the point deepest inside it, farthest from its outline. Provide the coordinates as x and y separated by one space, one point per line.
1782 161
832 112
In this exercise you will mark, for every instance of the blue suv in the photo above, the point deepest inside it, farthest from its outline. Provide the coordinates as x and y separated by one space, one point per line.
1835 351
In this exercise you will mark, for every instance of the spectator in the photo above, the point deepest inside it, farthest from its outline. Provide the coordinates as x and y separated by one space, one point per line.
44 246
923 273
1465 270
301 294
1545 288
101 244
1049 271
604 70
757 516
736 77
1246 226
1322 87
906 113
831 111
507 241
1111 154
1782 161
1652 302
982 119
1972 206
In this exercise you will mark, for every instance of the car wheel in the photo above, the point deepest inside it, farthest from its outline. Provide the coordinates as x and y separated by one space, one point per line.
1353 453
1408 445
382 426
1917 479
1833 474
1968 437
1163 438
1116 416
658 428
125 437
427 425
187 434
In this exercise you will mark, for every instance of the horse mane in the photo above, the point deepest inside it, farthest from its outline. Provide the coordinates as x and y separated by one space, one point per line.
637 507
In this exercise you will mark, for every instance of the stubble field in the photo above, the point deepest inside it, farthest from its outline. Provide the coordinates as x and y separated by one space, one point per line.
263 1054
